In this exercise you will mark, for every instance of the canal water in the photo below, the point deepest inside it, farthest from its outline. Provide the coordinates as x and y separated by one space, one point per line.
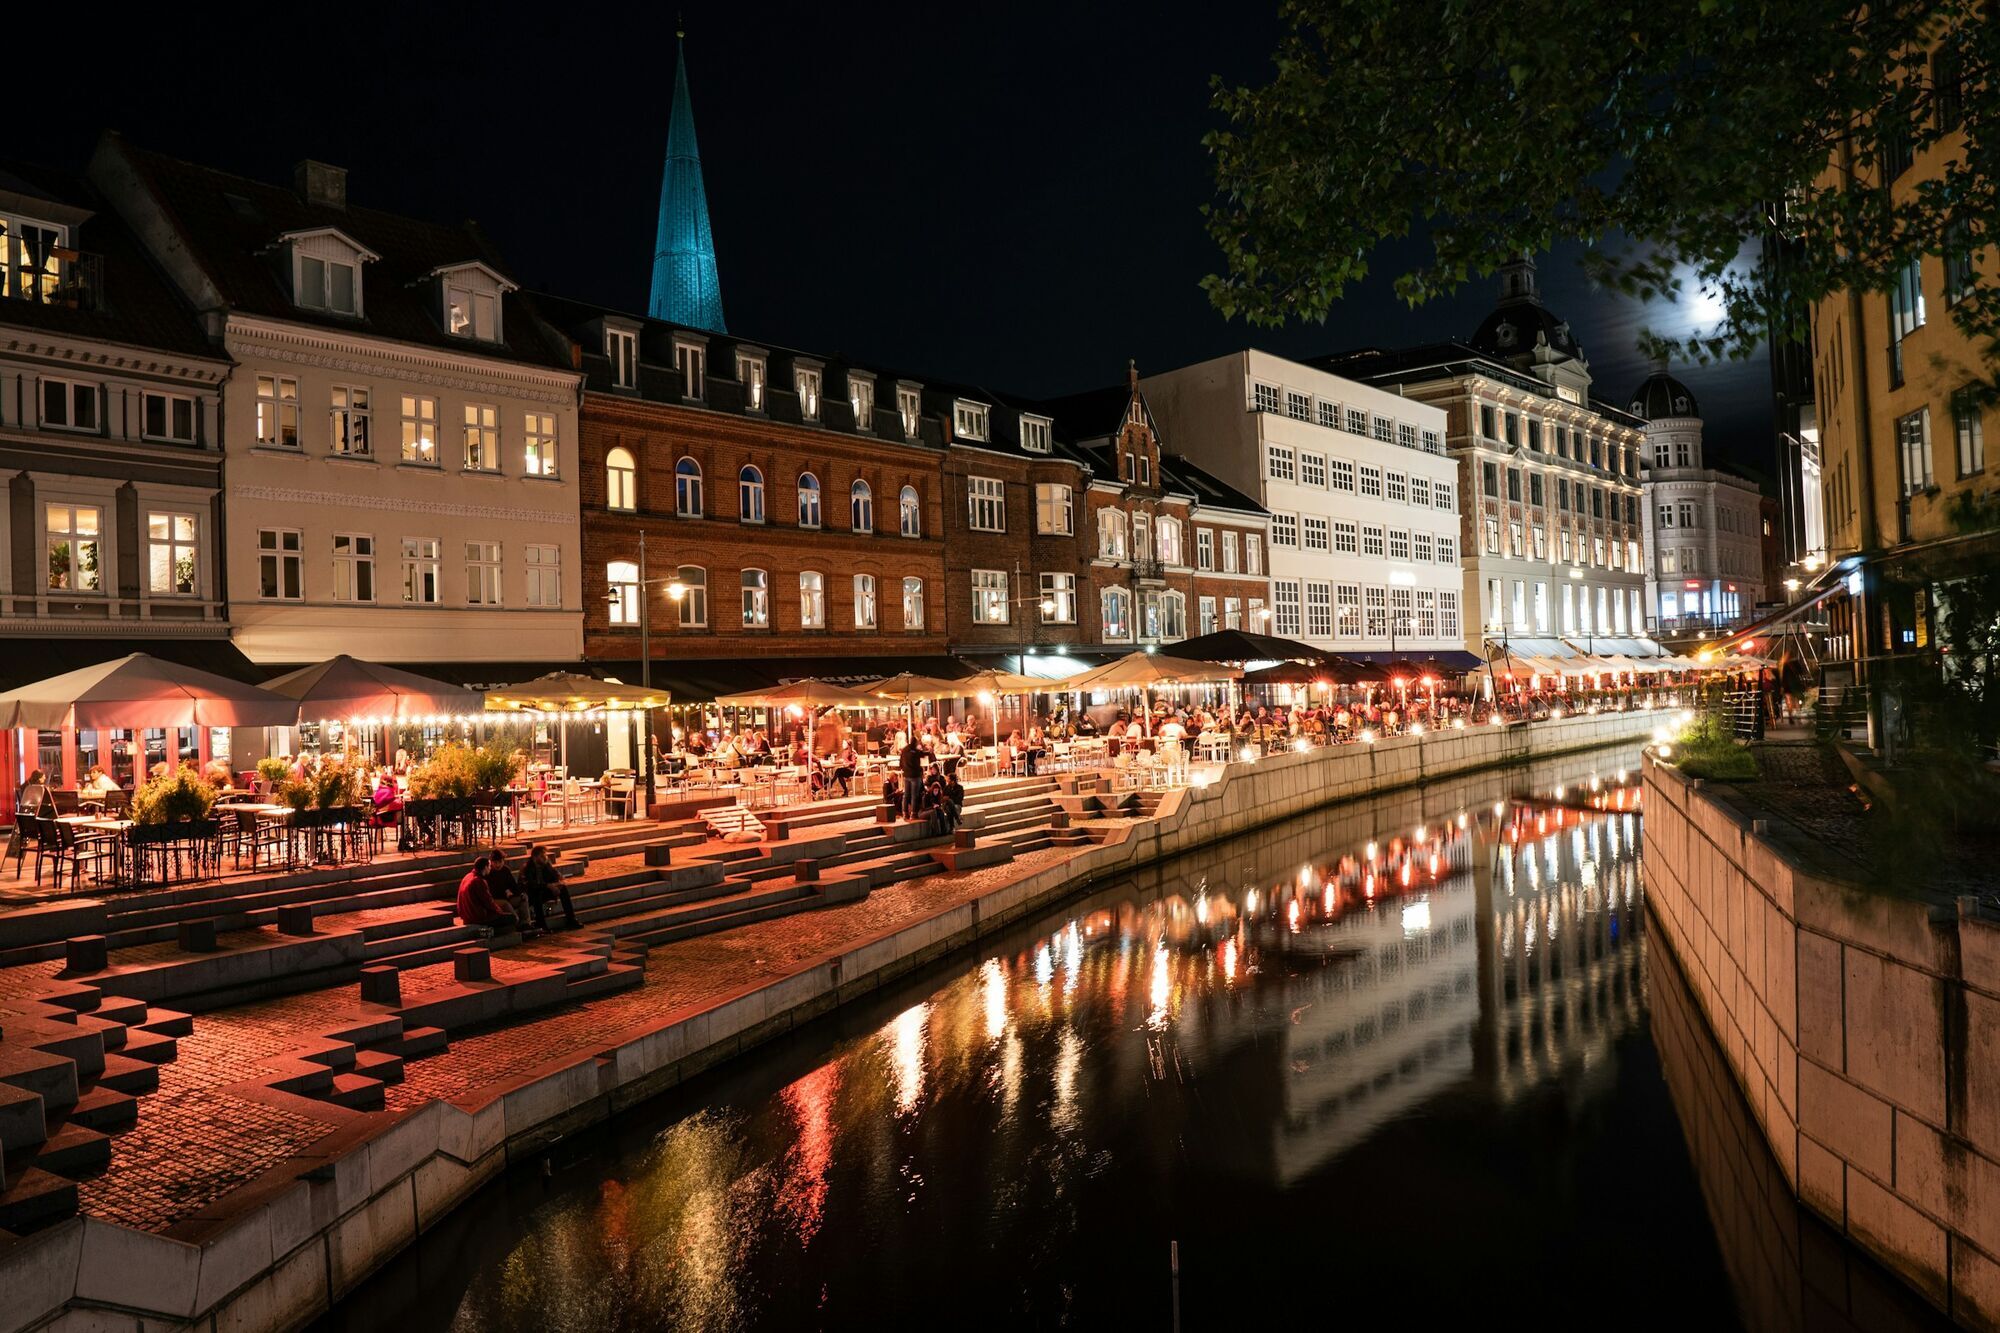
1393 1058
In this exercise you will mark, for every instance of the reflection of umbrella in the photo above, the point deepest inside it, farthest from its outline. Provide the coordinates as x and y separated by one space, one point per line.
343 687
805 693
139 691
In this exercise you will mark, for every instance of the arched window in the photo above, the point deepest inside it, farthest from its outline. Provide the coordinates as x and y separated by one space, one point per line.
687 488
621 577
694 600
910 511
913 603
756 599
750 495
808 500
861 506
1117 614
812 599
621 480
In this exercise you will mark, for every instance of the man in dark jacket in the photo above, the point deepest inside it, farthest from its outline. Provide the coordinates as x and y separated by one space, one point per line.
913 779
545 882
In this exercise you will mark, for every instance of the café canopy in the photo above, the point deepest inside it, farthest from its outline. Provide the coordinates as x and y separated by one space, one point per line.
344 687
142 691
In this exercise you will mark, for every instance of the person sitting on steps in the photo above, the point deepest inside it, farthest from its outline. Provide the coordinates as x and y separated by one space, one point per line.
476 905
545 882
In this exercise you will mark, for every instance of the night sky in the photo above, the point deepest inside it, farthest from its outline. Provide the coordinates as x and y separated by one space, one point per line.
1000 194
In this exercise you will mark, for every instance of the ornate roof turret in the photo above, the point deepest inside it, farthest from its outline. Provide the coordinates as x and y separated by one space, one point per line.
686 289
1661 395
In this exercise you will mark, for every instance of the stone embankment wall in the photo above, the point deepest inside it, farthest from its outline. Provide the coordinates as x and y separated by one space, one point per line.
279 1251
1862 1027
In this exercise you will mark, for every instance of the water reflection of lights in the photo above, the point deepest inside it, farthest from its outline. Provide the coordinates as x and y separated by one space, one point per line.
1045 965
908 1036
1417 917
1162 987
1069 1059
994 984
1229 959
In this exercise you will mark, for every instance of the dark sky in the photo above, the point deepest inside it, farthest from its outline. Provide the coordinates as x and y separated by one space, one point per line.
998 193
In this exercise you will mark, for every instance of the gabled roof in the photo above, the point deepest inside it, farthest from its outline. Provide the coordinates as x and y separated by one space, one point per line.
361 251
500 280
1206 487
138 305
229 224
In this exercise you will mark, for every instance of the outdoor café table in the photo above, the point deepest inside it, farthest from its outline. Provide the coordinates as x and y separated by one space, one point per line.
99 825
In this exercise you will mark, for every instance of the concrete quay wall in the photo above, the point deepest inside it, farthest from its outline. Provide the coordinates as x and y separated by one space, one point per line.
281 1250
1862 1027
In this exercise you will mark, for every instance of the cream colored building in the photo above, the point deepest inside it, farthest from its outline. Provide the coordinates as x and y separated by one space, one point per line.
399 433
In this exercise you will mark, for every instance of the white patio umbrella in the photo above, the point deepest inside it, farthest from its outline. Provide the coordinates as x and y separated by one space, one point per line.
141 691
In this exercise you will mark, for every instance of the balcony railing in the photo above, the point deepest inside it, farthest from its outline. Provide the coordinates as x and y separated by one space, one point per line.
73 278
1148 568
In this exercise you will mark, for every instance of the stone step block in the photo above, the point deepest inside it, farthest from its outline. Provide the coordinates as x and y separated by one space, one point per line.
166 1022
472 964
382 1066
73 1150
356 1091
84 954
104 1109
414 1042
126 1075
23 1119
614 978
36 1199
152 1047
196 936
53 1078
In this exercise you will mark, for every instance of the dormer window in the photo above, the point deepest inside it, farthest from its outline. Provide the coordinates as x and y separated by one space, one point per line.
910 407
968 420
469 295
31 258
691 365
750 374
621 349
806 381
861 397
1035 434
326 270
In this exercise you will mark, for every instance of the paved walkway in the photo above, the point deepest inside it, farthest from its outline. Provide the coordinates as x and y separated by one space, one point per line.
195 1141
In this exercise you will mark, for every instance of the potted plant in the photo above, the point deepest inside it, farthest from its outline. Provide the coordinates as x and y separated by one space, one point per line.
274 771
179 797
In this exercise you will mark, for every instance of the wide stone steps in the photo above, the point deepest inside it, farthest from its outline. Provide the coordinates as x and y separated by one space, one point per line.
728 913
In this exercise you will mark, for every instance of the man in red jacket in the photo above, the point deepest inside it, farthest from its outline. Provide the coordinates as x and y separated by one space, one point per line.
476 905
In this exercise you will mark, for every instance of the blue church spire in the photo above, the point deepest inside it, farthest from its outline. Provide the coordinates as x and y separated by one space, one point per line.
686 289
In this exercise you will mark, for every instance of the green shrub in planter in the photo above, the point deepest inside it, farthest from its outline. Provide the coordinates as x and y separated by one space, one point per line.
274 771
451 773
335 786
173 798
298 795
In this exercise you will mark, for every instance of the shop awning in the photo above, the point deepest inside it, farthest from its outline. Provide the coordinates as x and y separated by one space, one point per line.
23 660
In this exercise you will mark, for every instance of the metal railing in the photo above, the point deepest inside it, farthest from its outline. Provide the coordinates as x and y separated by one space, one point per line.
77 281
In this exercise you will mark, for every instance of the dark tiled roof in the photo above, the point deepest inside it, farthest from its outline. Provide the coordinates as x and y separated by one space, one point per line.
1206 488
231 225
139 305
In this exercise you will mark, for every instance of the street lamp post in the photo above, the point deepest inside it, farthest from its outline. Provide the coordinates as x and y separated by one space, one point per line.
676 590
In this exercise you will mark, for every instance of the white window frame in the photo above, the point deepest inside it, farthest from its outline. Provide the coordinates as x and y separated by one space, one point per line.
806 381
970 420
990 597
909 512
542 574
168 403
482 437
621 349
278 410
986 504
423 571
866 612
913 602
1115 615
540 444
751 373
175 549
621 582
812 599
1035 436
1055 509
353 566
279 555
420 429
756 595
484 574
621 480
349 421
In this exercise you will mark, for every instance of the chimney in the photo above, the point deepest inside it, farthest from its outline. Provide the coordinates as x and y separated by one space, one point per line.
1132 374
320 184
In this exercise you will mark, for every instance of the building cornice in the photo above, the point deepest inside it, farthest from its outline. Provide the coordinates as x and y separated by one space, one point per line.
404 505
356 354
123 358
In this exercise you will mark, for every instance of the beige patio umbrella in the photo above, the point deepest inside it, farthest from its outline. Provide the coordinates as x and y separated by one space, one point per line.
567 692
1144 670
141 691
807 693
908 689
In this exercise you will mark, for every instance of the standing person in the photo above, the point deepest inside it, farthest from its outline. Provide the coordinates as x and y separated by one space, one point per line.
912 768
545 883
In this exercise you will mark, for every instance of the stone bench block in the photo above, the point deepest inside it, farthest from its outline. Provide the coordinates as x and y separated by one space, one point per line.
196 936
964 837
472 964
1059 819
86 953
295 919
382 985
806 869
887 813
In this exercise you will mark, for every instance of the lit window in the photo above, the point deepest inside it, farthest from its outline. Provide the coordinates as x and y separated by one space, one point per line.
989 597
1111 528
482 573
910 513
482 437
861 397
420 433
173 554
749 495
31 259
694 597
1035 434
277 411
539 444
471 313
75 547
421 582
812 599
1115 608
750 374
1058 600
913 603
1054 513
909 406
864 601
621 481
353 567
347 422
805 383
621 579
544 566
986 502
969 420
280 565
756 585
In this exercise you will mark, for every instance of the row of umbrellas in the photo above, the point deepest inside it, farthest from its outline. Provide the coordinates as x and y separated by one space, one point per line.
1133 671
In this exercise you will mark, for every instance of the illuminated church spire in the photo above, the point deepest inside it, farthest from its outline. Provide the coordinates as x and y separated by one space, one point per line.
686 289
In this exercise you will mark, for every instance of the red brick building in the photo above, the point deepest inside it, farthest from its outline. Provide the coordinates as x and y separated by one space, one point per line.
796 512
